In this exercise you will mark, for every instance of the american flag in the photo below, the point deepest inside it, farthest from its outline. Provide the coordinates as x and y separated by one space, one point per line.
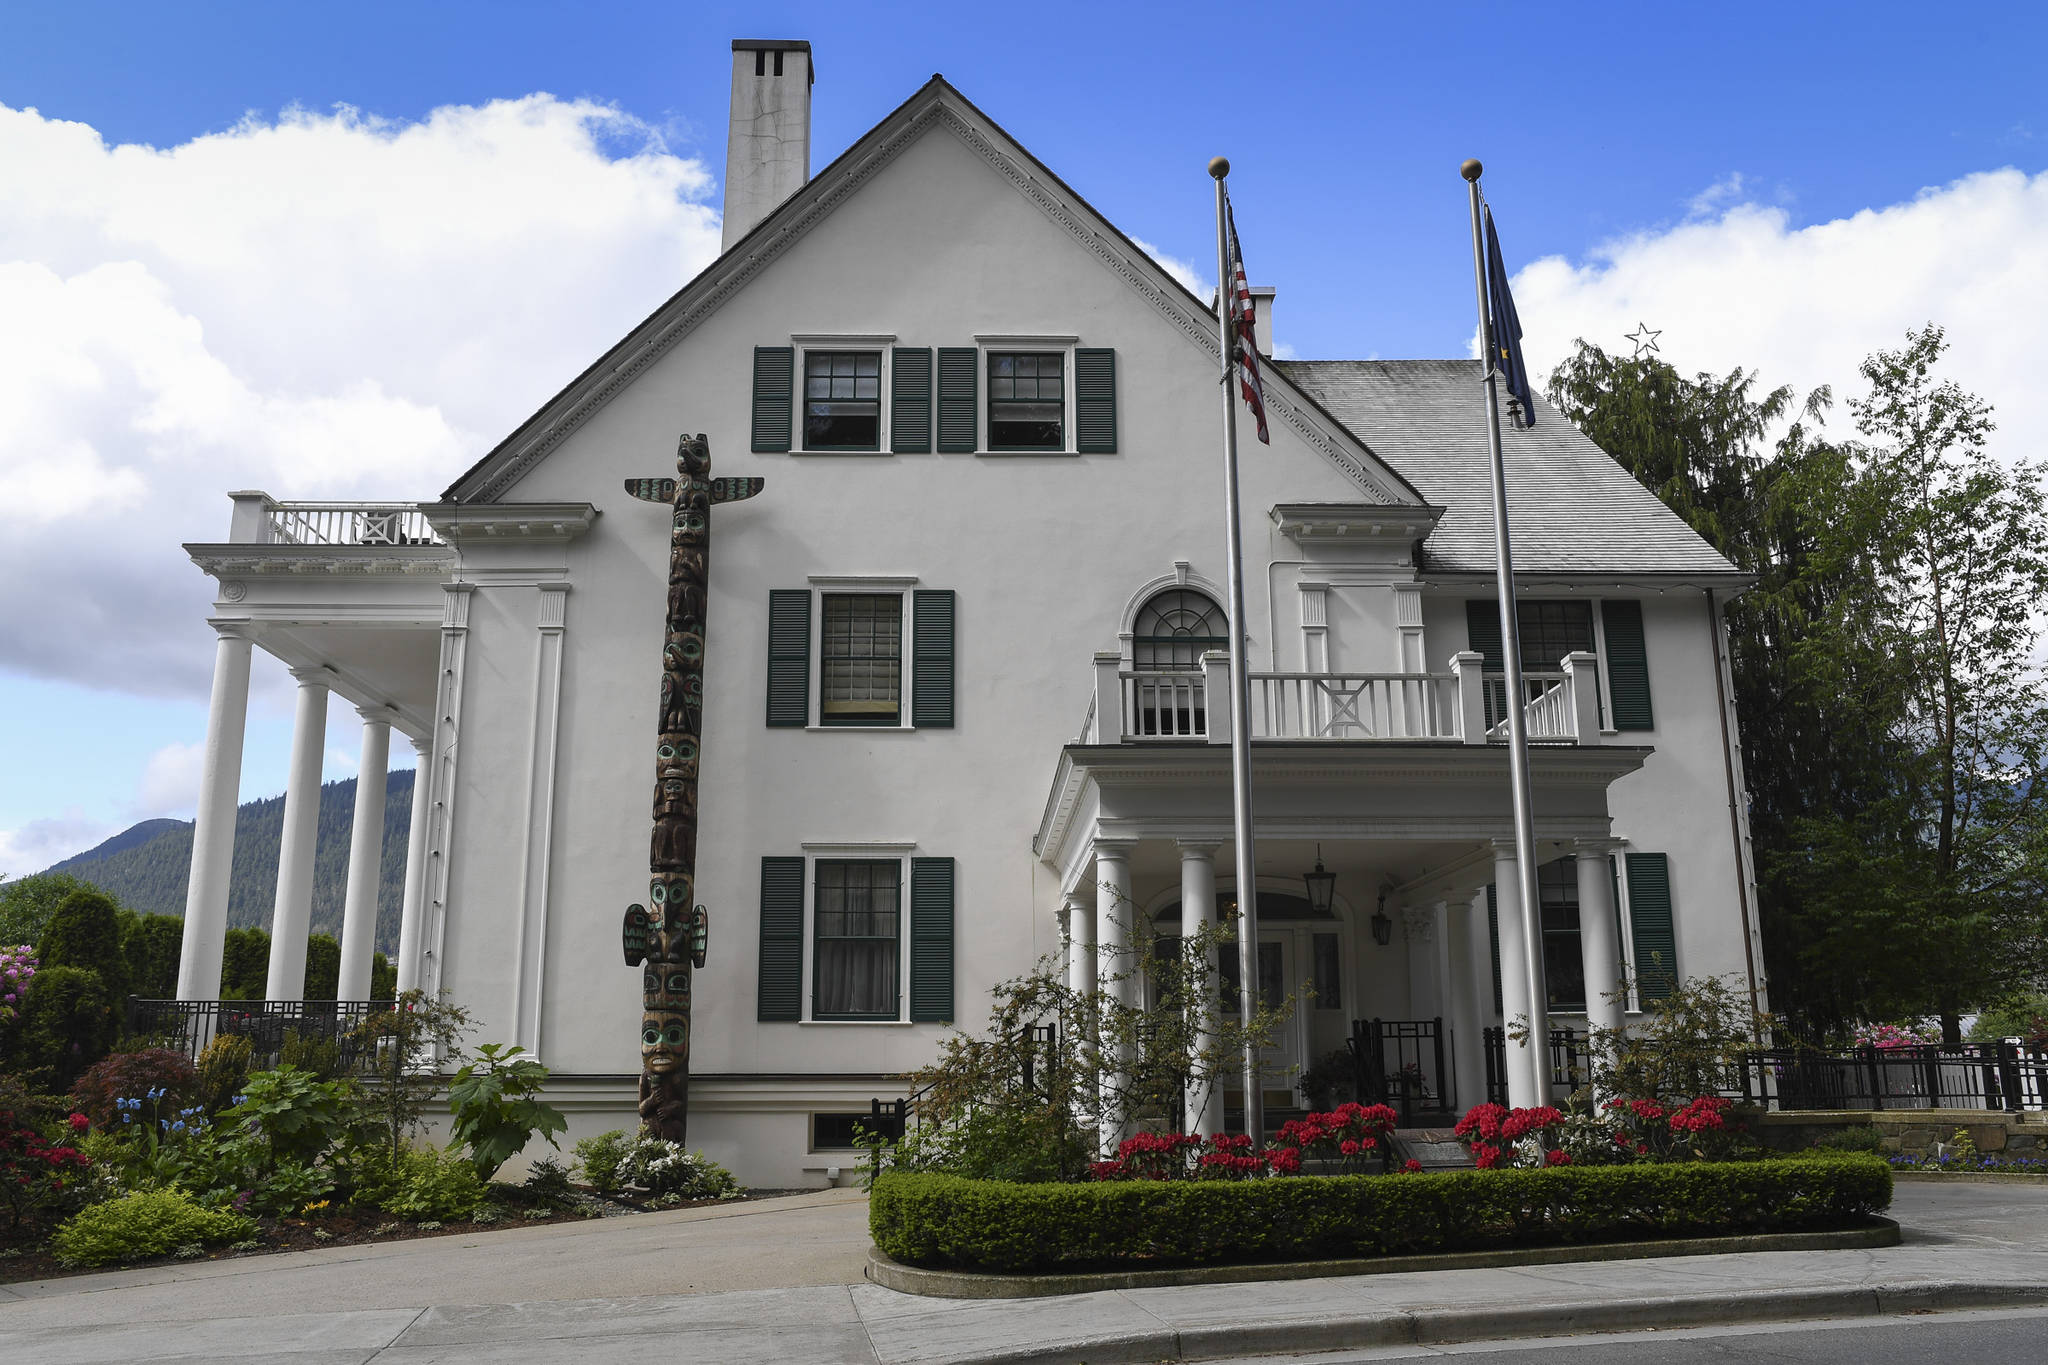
1242 317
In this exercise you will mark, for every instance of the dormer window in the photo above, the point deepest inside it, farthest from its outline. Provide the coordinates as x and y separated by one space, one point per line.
1027 400
842 400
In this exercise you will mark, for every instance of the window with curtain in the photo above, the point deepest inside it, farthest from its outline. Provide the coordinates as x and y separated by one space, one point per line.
860 664
857 920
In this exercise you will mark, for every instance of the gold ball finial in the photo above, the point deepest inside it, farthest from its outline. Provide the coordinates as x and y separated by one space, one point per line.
1471 169
1219 166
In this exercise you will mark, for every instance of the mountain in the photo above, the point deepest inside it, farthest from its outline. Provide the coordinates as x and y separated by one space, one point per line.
147 866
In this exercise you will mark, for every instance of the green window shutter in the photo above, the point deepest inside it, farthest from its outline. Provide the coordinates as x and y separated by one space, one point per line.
1628 664
1650 927
1095 400
782 940
931 940
789 658
774 372
931 659
959 386
1493 941
910 400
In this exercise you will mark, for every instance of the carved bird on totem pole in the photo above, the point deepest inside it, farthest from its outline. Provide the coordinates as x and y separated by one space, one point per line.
666 937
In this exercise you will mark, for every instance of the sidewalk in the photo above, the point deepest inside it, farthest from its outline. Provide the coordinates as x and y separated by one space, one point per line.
770 1282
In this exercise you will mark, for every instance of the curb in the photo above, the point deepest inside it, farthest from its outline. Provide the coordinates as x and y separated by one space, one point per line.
963 1284
1911 1177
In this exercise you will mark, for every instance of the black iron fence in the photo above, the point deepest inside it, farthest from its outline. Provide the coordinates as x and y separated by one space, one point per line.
1400 1062
1037 1047
2007 1075
1569 1063
276 1030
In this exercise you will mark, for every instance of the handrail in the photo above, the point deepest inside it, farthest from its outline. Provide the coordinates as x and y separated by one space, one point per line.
350 523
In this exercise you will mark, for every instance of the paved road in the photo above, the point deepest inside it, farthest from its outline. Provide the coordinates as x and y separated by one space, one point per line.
775 1282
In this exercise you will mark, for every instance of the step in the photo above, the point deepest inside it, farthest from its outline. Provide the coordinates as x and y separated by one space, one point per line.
1438 1149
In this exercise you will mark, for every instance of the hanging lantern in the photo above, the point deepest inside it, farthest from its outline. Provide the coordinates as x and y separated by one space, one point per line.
1382 927
1322 887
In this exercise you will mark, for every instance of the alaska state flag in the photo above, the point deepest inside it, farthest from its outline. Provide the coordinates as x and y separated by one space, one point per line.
1504 333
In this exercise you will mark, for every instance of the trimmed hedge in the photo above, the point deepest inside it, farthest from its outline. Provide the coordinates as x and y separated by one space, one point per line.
991 1225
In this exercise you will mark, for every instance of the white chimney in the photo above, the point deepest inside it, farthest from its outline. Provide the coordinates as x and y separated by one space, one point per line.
768 148
1262 319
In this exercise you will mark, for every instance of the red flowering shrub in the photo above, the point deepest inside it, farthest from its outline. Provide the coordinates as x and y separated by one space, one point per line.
1498 1136
1708 1128
1155 1156
1411 1166
1185 1156
1354 1133
38 1176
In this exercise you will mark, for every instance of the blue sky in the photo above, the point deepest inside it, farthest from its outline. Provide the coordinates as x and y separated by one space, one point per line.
1784 186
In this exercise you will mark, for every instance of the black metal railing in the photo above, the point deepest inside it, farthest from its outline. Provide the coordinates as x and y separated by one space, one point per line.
890 1120
1400 1062
2007 1075
1569 1060
274 1029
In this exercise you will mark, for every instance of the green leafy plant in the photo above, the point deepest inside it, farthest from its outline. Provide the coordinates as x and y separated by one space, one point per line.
669 1171
603 1160
1685 1045
494 1101
422 1185
68 1022
547 1183
145 1223
85 932
223 1069
298 1117
943 1220
1855 1137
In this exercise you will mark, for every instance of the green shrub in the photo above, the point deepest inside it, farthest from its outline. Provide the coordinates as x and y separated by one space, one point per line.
131 1075
547 1183
151 946
943 1220
423 1185
493 1099
223 1070
671 1172
245 965
603 1159
296 1114
383 978
147 1223
313 1051
85 932
1857 1137
27 903
68 1022
323 967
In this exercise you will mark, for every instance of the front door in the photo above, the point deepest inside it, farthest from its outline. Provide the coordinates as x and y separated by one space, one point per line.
1279 976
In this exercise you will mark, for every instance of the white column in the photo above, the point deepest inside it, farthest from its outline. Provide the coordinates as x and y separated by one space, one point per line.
415 871
1471 997
553 600
291 914
213 833
1115 940
1525 1089
1080 909
1204 1099
1599 943
365 857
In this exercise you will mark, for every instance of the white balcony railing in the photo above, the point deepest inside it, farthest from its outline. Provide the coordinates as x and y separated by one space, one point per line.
349 523
1559 707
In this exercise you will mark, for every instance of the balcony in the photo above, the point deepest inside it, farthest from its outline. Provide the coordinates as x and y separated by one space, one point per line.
263 520
1463 706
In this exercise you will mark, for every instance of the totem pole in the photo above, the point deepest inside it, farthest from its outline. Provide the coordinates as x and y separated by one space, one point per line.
668 934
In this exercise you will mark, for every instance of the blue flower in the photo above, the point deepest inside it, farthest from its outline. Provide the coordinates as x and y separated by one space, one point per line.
156 1093
178 1127
240 1098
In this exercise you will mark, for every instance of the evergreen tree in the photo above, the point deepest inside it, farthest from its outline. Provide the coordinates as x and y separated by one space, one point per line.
84 932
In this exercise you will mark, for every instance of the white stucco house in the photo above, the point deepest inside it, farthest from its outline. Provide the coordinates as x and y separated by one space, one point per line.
960 692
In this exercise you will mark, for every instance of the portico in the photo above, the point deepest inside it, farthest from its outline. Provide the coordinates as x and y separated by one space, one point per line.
1415 834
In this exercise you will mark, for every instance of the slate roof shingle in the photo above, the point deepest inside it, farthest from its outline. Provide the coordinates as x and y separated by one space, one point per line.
1571 507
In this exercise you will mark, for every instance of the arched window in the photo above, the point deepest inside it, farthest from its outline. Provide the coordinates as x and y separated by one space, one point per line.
1175 629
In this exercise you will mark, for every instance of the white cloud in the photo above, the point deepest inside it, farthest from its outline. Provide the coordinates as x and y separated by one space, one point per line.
169 785
1181 270
340 763
39 843
322 305
1804 305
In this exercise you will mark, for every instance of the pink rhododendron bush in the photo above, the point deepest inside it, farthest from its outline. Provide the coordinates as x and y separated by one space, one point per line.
1618 1132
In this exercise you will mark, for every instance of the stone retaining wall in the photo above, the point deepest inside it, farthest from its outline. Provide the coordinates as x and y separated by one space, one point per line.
1912 1130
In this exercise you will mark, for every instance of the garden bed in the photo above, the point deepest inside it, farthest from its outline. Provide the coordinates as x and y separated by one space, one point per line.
947 1222
344 1226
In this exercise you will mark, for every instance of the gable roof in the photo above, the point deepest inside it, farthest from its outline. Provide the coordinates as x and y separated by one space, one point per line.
937 100
1572 508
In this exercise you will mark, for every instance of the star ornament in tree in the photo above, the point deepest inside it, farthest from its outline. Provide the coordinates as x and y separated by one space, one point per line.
1644 338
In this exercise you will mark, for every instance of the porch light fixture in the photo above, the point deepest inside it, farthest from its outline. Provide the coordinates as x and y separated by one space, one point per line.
1382 927
1322 887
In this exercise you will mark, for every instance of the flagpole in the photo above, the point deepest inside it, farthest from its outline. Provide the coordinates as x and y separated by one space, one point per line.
1240 718
1536 1062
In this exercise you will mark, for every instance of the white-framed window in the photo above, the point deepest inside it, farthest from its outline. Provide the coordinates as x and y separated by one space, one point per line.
860 642
856 944
842 383
1027 394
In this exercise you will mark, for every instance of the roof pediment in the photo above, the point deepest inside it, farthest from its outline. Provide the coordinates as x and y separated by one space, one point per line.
937 105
